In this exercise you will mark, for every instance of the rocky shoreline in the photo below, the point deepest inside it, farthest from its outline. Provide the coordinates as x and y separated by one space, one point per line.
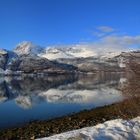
126 109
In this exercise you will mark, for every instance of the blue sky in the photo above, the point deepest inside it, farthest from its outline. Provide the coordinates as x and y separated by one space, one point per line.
49 22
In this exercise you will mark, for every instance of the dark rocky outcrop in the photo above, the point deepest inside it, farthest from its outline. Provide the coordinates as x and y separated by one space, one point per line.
34 64
12 64
91 64
3 58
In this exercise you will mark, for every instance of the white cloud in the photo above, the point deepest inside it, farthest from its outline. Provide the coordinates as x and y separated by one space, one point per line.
98 34
101 31
125 40
113 43
109 40
105 29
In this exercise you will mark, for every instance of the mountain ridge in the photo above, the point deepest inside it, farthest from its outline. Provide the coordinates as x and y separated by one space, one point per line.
28 58
55 52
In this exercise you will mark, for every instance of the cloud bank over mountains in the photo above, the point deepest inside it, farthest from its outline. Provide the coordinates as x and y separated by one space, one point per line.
107 46
107 39
107 42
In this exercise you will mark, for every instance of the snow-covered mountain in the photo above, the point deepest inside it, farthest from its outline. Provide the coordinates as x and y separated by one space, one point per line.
56 52
28 58
67 52
26 48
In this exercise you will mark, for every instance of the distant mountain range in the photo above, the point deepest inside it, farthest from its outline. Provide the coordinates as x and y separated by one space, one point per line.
52 53
28 58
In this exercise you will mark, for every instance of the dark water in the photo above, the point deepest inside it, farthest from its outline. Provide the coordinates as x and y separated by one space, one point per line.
26 99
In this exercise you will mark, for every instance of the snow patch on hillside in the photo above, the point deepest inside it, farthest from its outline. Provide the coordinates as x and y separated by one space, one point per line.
110 130
55 53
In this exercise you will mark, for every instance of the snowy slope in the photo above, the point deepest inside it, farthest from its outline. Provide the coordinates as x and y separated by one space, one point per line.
77 52
111 130
67 52
55 53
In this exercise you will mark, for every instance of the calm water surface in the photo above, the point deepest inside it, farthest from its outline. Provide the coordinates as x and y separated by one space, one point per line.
26 99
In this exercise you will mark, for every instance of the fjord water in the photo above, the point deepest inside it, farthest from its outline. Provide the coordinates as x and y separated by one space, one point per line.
41 98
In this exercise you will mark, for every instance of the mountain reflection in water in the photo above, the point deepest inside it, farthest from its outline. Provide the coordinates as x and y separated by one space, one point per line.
26 99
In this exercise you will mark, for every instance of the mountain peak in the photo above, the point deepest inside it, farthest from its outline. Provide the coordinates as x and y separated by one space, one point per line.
27 47
3 51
